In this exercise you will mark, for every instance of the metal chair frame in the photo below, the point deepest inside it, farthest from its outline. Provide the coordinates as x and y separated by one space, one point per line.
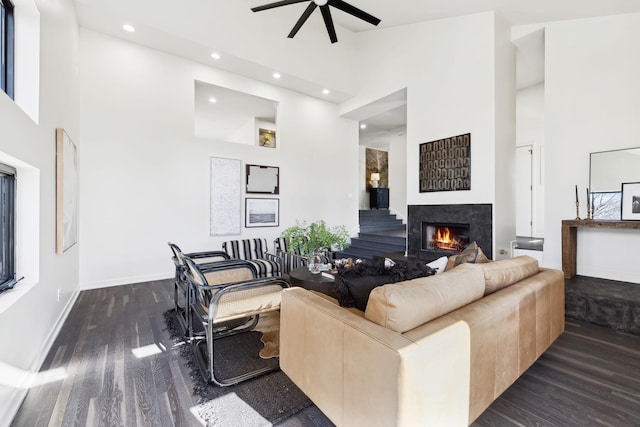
214 331
180 285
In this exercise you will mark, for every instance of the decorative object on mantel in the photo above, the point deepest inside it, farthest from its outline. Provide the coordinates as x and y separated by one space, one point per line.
445 164
631 201
589 213
577 205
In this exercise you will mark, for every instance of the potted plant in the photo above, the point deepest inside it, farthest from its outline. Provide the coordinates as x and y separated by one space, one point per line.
316 237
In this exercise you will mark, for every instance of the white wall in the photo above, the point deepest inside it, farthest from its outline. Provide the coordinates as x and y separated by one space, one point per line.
504 84
398 173
449 70
592 103
530 131
145 178
31 313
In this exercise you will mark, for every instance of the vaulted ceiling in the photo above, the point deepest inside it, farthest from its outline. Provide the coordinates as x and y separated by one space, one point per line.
254 44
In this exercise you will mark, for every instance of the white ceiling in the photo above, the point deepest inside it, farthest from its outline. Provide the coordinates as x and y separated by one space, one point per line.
158 18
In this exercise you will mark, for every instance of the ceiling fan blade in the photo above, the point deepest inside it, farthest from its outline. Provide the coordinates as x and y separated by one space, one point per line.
276 4
328 22
308 11
352 10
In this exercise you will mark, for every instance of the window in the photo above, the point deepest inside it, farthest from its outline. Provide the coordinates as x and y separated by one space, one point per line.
7 227
6 46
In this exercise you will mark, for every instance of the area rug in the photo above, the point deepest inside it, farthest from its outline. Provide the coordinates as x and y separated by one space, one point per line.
262 401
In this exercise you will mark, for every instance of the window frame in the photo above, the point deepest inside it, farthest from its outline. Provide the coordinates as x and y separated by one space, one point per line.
8 180
7 38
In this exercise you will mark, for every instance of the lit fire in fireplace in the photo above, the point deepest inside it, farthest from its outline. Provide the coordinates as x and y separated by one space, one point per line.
444 238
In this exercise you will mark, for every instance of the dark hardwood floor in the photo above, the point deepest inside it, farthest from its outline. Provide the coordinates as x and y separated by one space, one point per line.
120 368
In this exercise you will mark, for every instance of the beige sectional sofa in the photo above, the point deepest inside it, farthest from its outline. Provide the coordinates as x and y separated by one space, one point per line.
433 351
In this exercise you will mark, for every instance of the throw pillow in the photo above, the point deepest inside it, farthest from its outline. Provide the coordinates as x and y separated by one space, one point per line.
471 254
439 265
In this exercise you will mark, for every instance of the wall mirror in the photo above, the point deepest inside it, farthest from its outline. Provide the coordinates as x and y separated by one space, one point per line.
607 171
229 115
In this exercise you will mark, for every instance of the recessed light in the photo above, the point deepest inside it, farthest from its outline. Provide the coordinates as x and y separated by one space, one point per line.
213 100
128 27
326 91
276 75
363 126
215 55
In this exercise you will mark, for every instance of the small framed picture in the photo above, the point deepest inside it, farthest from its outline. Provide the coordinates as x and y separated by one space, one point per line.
267 138
262 212
631 201
263 179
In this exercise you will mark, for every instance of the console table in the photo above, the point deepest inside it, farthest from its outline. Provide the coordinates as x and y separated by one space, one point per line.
570 239
379 198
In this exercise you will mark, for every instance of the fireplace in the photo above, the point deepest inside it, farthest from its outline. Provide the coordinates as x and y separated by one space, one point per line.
443 230
445 237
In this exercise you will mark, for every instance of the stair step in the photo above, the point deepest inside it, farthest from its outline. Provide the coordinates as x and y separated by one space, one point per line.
377 249
373 228
380 232
381 238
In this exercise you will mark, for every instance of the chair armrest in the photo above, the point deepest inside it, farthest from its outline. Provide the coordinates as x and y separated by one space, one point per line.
208 256
272 257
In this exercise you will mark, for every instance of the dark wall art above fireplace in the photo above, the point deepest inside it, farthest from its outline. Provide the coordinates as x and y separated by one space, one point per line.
445 165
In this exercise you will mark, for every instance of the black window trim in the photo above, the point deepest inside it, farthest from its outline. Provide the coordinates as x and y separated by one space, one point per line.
10 277
7 48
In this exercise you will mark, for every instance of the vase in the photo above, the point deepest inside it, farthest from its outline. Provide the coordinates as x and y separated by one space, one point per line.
315 263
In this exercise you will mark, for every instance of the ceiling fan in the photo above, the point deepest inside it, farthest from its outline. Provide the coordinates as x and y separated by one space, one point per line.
326 14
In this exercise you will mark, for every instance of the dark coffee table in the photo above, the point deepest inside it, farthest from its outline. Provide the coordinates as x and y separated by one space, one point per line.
303 278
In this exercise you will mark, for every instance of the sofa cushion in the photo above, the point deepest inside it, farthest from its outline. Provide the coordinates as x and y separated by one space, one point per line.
405 305
500 274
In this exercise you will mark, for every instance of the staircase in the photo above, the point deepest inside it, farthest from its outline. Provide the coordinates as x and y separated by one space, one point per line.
380 232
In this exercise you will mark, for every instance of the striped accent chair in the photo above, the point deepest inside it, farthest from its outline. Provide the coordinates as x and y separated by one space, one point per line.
256 252
289 260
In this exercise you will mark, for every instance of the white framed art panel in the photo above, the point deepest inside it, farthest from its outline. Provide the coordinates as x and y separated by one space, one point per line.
226 190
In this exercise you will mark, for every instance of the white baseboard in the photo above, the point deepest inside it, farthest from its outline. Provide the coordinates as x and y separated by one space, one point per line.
125 281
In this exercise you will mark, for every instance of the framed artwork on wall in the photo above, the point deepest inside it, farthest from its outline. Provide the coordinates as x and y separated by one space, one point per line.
377 162
631 201
263 179
66 192
445 164
226 196
262 212
267 138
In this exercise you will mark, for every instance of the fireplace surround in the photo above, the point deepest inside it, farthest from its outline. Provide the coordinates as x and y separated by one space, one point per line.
472 221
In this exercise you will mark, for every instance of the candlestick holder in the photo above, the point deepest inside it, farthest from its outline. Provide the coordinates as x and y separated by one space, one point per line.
578 211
